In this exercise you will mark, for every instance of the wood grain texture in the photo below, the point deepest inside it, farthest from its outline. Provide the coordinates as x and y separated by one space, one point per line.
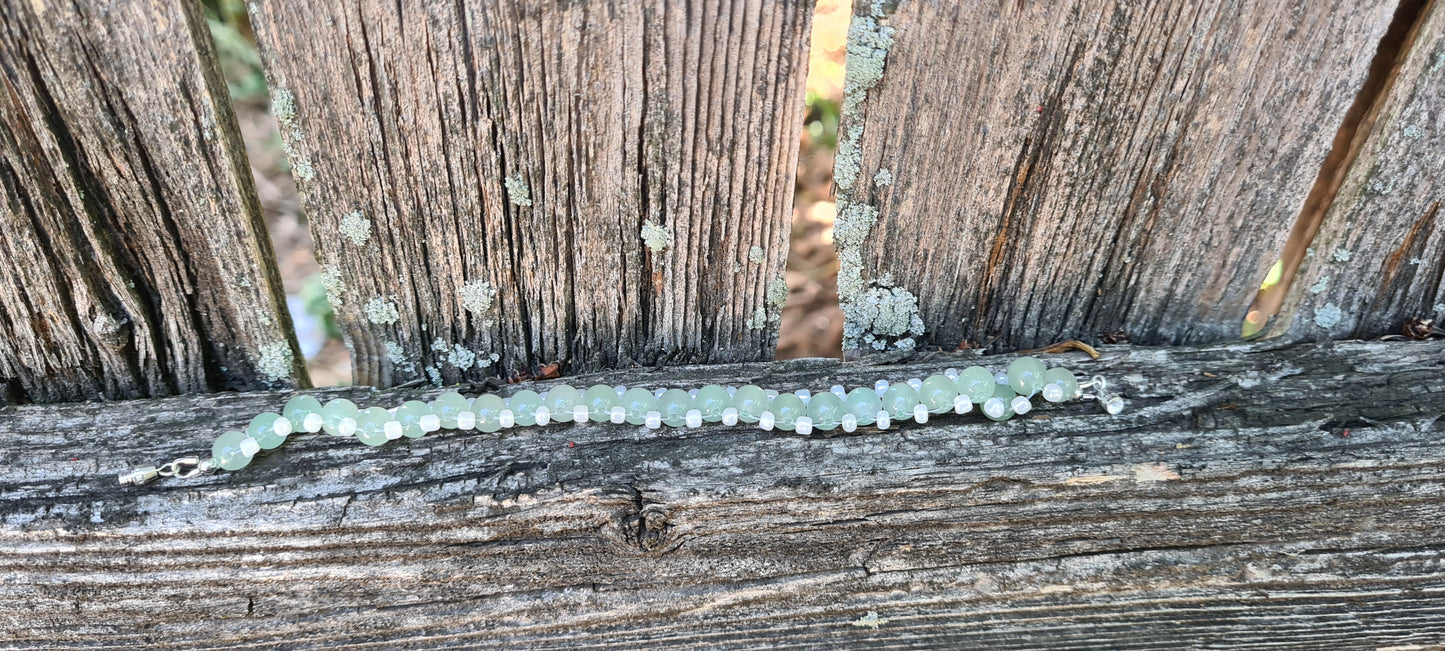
413 115
133 258
1228 507
1064 169
1379 255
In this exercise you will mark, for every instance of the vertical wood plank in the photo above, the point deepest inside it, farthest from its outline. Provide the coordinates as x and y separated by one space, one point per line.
133 258
495 186
1028 172
1379 255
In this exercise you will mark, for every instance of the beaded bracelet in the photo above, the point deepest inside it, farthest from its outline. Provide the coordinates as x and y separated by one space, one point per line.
999 396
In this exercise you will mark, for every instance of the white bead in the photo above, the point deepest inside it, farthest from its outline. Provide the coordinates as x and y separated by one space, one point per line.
770 394
579 413
692 393
543 416
1021 405
250 447
619 414
838 390
920 413
915 383
282 426
730 416
962 405
883 419
850 422
805 394
313 422
1053 392
694 418
1000 377
994 407
506 418
804 425
880 386
732 391
392 429
765 420
653 420
620 390
1114 405
347 426
950 373
657 393
466 420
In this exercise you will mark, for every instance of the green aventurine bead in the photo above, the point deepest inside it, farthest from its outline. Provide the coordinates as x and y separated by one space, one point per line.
599 400
751 401
786 409
488 407
976 382
937 393
899 401
1066 380
409 415
560 400
637 402
227 451
711 400
864 404
333 413
673 404
262 428
524 406
1007 393
1026 376
826 410
447 406
371 427
298 408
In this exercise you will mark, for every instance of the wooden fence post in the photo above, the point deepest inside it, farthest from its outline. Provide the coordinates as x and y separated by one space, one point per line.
133 260
500 185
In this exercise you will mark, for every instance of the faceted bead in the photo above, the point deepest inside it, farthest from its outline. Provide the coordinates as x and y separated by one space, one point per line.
976 382
227 451
561 399
899 401
371 426
263 429
410 414
298 408
524 406
937 393
447 406
488 408
864 404
336 411
826 410
1026 376
673 404
751 402
711 400
786 409
637 401
599 400
1066 381
998 406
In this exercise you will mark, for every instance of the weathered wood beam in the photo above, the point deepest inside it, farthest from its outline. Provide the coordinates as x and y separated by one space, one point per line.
1036 171
133 256
1250 494
1378 258
592 183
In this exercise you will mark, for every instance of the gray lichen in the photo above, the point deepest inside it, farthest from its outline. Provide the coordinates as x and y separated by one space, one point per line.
737 267
461 357
1342 255
333 284
356 228
434 375
868 44
883 177
477 297
382 311
757 255
302 167
882 313
1328 316
758 320
1439 308
871 620
656 236
517 190
283 107
275 362
849 159
1321 285
397 356
778 293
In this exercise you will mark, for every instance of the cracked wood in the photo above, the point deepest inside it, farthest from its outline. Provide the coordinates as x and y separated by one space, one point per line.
133 257
432 120
1250 494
